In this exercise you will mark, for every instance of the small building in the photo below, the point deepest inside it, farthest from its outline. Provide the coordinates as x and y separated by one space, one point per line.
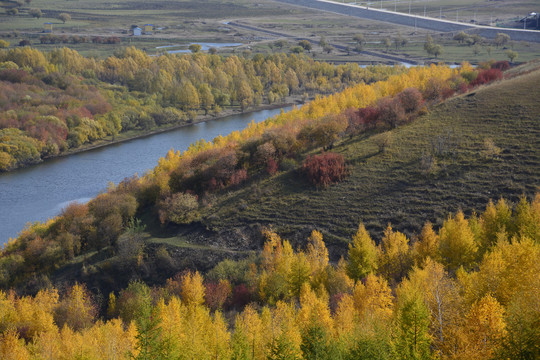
136 31
148 29
47 27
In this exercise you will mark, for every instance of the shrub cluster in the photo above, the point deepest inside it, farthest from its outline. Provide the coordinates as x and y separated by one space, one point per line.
324 169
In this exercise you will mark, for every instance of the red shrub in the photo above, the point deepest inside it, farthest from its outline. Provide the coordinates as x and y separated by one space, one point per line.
447 92
241 296
238 177
217 293
487 76
361 119
411 100
271 166
324 169
391 111
369 116
501 65
14 76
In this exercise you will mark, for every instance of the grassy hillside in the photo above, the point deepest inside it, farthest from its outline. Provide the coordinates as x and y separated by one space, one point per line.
458 154
474 147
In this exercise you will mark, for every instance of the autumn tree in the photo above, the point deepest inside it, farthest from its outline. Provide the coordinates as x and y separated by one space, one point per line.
387 42
511 54
35 13
373 298
149 344
362 255
485 327
206 98
194 48
193 290
501 39
413 340
317 258
457 245
461 37
360 40
324 169
245 95
427 245
305 44
394 255
64 17
76 309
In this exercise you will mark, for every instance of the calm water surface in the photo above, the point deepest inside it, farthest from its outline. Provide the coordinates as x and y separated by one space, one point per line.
42 191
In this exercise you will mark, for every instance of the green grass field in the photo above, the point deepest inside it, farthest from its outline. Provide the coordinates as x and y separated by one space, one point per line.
492 141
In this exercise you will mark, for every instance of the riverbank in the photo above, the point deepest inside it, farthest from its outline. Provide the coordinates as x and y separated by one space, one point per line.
39 192
205 118
132 135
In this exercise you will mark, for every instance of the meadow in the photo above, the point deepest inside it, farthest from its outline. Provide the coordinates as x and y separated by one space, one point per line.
190 21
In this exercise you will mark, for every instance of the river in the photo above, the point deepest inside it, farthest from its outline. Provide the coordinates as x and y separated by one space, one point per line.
42 191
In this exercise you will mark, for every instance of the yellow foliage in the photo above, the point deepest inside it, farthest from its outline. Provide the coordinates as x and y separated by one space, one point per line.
192 291
394 255
427 244
344 319
373 300
11 347
249 325
505 272
457 244
314 310
485 329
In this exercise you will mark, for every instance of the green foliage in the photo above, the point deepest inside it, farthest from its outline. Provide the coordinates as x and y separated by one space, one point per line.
282 349
64 17
149 343
180 208
35 13
413 342
362 255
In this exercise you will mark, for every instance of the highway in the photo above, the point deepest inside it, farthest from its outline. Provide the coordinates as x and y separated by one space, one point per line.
438 25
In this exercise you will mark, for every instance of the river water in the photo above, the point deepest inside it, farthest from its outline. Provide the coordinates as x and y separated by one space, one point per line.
42 191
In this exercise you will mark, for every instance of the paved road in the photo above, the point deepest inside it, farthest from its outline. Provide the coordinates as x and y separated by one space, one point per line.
413 21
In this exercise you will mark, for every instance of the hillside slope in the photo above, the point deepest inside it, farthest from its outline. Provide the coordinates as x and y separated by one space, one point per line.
481 145
477 146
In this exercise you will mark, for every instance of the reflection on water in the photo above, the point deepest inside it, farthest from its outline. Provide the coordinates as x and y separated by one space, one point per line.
43 190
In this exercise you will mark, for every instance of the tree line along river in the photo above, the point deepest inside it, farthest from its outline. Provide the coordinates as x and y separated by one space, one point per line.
42 191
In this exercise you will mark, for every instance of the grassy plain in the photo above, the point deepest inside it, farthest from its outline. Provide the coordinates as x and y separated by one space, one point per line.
185 21
490 148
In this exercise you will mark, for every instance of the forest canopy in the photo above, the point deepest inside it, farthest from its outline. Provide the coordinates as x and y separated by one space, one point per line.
56 101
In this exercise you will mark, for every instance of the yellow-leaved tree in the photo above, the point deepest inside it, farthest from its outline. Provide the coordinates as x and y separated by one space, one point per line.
457 245
362 255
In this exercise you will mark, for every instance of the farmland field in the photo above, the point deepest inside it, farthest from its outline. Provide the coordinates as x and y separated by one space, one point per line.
206 21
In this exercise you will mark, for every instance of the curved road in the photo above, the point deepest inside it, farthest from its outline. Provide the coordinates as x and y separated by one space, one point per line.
412 20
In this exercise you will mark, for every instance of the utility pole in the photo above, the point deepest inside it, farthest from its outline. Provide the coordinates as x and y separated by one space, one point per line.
457 15
409 7
440 13
424 10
